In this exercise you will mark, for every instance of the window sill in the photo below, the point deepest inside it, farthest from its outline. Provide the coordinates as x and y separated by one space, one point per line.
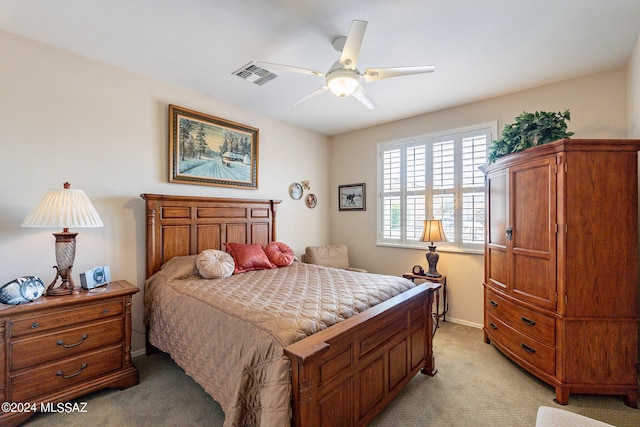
443 248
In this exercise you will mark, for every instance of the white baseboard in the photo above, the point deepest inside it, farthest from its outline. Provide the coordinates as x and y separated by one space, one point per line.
137 353
463 322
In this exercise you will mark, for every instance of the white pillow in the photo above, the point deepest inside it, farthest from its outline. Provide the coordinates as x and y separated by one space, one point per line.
214 264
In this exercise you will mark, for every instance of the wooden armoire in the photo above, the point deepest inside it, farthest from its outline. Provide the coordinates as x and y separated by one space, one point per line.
561 264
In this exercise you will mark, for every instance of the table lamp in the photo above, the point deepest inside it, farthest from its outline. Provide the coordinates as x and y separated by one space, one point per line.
64 208
433 232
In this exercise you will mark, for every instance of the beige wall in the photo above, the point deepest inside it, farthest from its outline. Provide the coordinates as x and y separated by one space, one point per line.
66 118
598 109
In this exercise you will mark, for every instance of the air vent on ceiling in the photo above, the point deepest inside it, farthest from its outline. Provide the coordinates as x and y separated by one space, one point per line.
255 74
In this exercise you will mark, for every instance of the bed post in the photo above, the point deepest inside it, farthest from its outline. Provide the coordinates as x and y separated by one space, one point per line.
151 223
304 391
274 206
430 330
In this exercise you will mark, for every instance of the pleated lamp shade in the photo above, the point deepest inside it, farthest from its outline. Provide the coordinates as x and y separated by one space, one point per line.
65 208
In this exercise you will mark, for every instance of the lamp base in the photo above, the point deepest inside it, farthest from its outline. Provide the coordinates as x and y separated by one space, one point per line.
432 259
65 255
66 286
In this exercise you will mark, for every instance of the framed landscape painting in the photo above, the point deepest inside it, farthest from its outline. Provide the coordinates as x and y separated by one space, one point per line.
208 150
352 197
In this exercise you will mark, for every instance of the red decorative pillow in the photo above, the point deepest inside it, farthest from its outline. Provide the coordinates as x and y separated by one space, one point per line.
280 254
248 257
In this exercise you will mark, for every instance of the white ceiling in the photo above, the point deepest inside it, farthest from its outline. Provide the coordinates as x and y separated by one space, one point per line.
481 49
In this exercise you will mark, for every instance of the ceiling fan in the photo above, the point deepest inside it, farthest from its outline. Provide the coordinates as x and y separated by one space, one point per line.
343 78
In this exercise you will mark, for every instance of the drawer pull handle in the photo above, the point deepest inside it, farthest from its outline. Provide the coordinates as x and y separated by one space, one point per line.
528 321
84 337
493 303
528 349
105 311
61 374
493 325
35 325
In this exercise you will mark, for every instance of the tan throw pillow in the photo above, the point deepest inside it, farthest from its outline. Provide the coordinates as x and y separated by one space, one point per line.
214 264
179 267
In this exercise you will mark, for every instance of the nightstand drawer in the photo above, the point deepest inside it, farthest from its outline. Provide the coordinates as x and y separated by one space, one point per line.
31 351
536 325
524 347
69 317
29 385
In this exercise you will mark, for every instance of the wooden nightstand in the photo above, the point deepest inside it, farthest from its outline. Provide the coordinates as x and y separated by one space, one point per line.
445 305
59 348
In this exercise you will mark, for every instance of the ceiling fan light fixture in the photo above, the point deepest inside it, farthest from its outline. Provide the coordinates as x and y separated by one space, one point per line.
343 78
343 82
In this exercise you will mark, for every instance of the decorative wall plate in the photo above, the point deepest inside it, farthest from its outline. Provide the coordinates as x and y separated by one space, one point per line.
295 191
311 201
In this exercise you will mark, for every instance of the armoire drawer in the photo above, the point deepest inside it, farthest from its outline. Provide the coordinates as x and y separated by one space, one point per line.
32 384
524 347
33 350
529 322
69 317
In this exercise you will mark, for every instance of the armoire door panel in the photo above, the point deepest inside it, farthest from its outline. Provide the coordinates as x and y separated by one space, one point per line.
530 279
497 208
533 219
497 265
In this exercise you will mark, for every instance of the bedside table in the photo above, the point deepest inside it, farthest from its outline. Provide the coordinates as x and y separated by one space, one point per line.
59 348
441 280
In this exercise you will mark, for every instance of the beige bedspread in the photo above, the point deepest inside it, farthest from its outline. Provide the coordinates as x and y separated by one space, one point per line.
229 334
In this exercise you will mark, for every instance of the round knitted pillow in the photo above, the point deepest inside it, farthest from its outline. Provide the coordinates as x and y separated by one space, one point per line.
280 254
214 264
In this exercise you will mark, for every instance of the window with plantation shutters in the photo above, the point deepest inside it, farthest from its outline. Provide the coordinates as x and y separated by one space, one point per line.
434 176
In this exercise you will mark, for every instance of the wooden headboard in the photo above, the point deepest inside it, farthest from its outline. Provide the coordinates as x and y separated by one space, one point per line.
186 225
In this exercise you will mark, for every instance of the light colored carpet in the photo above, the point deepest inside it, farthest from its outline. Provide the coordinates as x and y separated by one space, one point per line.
475 386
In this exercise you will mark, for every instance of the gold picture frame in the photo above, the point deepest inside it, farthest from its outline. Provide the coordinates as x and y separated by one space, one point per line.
208 150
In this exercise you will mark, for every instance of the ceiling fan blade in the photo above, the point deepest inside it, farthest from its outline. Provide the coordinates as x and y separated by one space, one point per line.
311 95
289 68
351 49
373 74
361 95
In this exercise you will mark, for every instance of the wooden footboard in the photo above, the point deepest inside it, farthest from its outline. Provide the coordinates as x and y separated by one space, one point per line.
346 374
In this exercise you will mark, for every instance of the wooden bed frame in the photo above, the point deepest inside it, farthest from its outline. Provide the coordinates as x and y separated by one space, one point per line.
342 376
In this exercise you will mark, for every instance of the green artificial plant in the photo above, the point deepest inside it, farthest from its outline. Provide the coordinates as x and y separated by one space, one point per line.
530 130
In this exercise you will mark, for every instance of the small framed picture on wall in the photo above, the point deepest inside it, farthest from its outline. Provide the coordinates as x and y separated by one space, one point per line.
352 197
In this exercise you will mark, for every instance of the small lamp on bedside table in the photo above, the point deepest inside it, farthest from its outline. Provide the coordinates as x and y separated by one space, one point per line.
64 208
433 232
